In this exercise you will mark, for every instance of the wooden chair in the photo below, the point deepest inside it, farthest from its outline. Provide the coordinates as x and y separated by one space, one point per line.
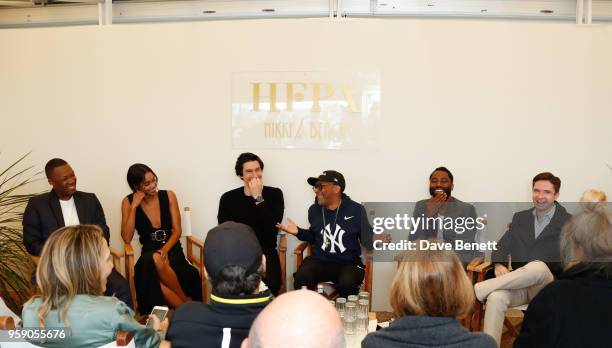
477 270
306 248
6 323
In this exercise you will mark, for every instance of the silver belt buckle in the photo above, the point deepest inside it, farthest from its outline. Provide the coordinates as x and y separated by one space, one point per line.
155 235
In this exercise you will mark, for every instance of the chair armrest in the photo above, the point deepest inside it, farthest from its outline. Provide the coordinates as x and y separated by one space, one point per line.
197 261
282 243
191 243
6 323
483 267
116 259
299 250
124 338
478 265
129 272
368 256
129 251
299 254
282 256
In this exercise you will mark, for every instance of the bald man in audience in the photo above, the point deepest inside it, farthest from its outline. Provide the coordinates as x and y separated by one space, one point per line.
297 319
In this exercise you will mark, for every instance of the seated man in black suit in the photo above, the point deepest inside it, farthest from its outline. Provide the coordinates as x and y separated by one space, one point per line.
442 205
65 206
532 242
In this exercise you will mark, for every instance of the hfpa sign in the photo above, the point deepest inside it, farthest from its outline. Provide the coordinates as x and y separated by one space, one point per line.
305 110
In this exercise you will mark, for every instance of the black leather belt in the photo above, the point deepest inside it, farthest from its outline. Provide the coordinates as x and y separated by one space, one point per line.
159 236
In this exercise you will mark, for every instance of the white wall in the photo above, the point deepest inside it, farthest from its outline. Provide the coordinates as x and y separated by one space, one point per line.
495 101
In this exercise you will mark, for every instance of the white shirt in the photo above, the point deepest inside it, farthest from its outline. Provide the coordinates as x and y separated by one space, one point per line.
440 233
69 212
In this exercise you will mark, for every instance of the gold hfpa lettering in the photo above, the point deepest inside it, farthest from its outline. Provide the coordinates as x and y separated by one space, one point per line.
296 92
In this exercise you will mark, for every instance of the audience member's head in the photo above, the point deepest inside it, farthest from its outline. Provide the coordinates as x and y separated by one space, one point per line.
587 237
234 260
142 178
298 319
74 261
61 176
431 283
592 198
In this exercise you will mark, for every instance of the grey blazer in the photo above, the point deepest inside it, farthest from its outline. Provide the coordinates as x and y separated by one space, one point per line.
520 242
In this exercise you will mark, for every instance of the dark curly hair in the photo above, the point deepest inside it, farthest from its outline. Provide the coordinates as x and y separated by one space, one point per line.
246 157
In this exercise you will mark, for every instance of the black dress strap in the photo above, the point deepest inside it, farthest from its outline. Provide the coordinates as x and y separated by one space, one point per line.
164 209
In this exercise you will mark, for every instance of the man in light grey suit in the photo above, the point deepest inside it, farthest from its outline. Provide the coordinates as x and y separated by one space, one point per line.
443 205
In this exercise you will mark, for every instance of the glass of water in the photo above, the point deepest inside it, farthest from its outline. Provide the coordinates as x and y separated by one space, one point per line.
349 322
364 295
341 305
351 309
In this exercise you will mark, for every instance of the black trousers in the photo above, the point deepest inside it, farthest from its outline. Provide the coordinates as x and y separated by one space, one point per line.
347 277
119 287
273 272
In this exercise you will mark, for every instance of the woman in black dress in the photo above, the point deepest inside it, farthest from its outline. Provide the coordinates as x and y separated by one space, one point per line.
162 275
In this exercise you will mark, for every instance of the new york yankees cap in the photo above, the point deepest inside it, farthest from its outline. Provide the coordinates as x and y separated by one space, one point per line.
329 176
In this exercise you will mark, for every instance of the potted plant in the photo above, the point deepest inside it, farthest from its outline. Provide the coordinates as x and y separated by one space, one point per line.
15 264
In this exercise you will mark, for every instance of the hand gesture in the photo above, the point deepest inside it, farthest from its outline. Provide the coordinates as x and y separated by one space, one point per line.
291 227
163 255
436 203
385 238
256 187
157 325
137 199
500 270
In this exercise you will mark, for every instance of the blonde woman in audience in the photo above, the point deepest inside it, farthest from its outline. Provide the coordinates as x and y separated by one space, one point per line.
71 277
429 293
592 198
576 309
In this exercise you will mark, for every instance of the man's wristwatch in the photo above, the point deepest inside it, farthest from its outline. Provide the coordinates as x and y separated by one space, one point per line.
259 199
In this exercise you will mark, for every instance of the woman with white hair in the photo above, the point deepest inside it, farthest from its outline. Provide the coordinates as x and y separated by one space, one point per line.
576 309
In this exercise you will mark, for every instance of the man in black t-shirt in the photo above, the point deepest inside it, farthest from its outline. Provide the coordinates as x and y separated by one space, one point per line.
258 206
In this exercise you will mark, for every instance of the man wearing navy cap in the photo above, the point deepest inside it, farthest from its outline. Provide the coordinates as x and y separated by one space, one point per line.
235 266
338 228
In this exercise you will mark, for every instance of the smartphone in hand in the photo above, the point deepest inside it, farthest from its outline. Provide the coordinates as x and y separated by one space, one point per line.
158 311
